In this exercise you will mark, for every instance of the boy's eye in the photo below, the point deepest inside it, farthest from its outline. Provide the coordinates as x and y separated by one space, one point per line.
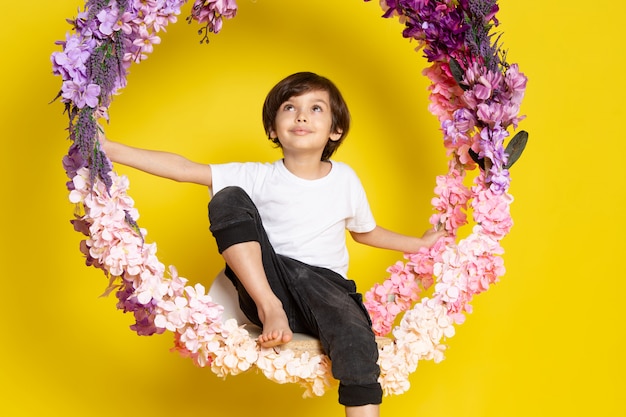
288 107
317 108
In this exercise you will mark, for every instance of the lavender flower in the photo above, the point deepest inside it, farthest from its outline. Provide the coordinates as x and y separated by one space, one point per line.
100 166
480 15
83 132
105 68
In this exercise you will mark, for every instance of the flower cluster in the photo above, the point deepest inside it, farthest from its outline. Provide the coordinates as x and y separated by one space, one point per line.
212 13
108 36
287 366
237 353
475 95
396 294
446 28
492 211
418 337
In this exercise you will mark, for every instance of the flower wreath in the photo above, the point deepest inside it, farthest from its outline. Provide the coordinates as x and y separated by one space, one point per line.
475 95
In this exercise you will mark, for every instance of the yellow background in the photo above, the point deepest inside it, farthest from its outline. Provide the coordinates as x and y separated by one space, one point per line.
547 340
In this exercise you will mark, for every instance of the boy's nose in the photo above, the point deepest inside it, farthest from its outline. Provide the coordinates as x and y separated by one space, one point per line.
301 117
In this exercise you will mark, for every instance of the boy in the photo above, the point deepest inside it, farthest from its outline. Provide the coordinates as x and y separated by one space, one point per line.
281 230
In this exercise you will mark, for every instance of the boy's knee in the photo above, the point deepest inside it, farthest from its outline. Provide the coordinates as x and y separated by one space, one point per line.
229 200
232 218
228 195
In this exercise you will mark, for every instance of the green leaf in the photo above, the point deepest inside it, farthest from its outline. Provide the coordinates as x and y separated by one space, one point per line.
515 147
457 73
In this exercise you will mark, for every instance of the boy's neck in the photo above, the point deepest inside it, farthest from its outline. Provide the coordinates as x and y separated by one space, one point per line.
307 168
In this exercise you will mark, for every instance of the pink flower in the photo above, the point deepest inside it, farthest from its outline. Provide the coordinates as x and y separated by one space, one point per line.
451 201
492 211
123 23
516 84
444 91
146 40
487 84
211 12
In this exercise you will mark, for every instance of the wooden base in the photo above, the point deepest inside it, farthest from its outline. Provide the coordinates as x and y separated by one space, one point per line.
314 347
305 343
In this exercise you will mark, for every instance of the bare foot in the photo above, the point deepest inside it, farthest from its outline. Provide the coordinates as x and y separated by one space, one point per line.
276 329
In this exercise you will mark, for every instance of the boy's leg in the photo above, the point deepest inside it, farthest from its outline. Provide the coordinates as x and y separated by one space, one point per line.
334 312
244 260
316 300
237 227
371 410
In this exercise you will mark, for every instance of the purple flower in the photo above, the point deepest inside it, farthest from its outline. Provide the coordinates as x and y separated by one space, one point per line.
72 162
108 20
212 13
497 176
71 62
464 120
491 145
439 26
499 179
85 25
516 84
80 94
144 314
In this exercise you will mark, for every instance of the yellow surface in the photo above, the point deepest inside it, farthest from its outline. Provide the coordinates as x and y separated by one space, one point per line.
547 340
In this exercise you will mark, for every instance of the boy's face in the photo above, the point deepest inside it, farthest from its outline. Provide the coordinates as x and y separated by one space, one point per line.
303 123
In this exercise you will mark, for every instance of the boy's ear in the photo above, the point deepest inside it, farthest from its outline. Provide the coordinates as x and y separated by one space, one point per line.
336 135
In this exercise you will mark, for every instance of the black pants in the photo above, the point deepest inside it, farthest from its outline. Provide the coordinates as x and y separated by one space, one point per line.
317 301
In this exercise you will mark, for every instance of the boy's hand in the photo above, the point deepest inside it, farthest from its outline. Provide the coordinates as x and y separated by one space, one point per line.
431 236
100 136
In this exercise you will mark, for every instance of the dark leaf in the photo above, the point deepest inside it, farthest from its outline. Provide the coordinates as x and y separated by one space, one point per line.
475 158
457 73
515 147
57 96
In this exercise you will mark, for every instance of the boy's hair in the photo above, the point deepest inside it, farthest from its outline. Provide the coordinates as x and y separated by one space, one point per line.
298 84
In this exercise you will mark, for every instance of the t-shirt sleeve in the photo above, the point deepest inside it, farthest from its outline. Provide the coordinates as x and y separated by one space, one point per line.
363 220
233 174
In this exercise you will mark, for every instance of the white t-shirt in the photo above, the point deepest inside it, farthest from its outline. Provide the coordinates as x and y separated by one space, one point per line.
304 219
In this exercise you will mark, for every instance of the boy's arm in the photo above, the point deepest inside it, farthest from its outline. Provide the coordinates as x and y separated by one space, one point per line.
163 164
386 239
